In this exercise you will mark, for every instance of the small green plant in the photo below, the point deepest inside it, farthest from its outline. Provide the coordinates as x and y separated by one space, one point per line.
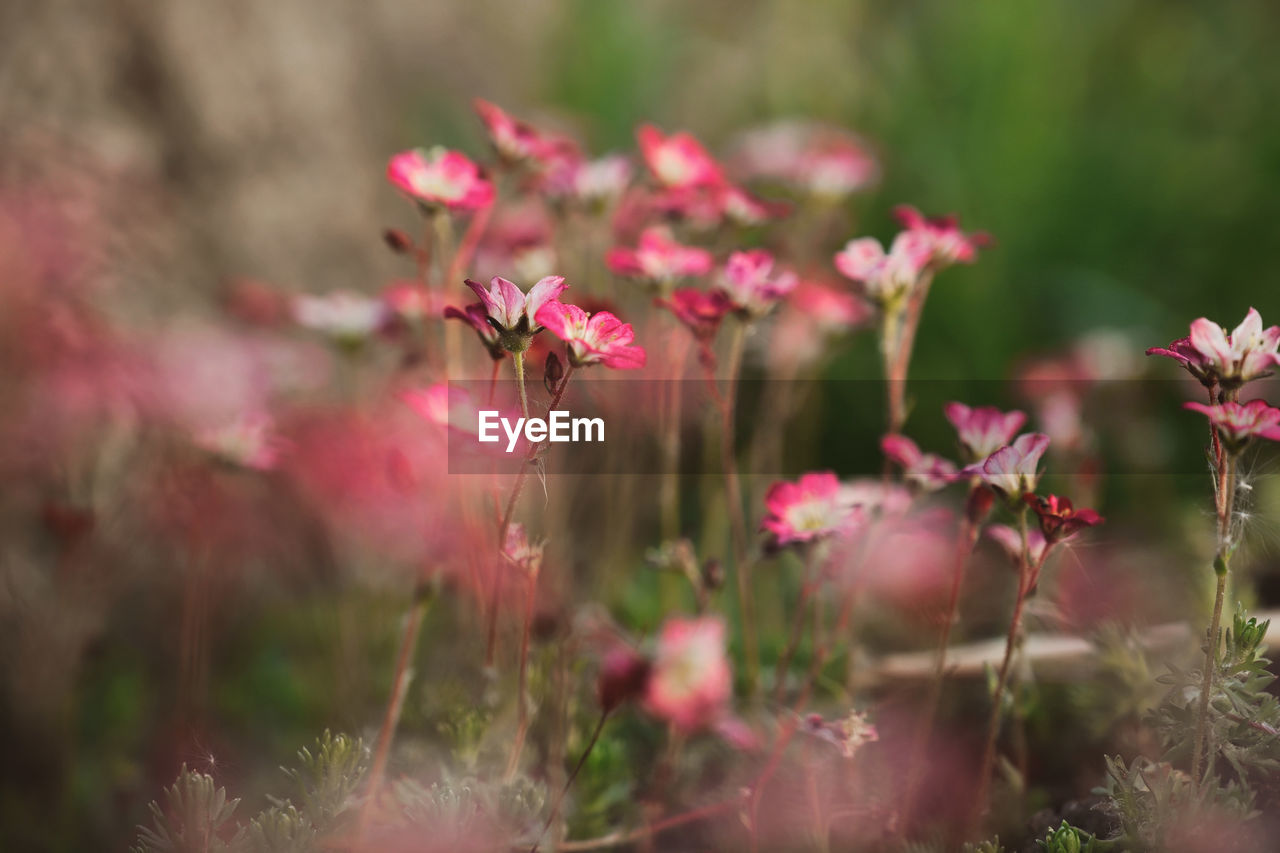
196 817
1068 839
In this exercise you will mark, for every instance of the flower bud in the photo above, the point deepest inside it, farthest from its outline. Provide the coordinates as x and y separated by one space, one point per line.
624 675
398 241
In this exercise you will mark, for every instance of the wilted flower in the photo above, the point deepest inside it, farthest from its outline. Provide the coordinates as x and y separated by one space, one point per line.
600 338
677 161
690 683
514 140
928 471
1010 541
248 442
983 430
347 318
1059 519
477 317
947 243
812 507
1237 423
1212 355
752 284
658 258
440 177
511 312
847 734
885 277
1011 470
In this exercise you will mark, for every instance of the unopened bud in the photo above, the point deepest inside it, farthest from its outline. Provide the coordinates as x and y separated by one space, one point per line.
552 373
398 241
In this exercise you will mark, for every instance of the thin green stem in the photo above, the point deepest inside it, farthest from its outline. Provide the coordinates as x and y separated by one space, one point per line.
1226 504
733 498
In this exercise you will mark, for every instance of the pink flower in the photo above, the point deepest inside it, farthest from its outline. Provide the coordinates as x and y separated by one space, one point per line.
811 508
1237 423
346 317
690 683
514 140
677 161
590 182
440 177
600 338
813 314
659 258
701 312
1010 541
522 554
847 735
1059 520
742 208
983 430
947 243
477 317
511 312
409 300
751 283
885 277
928 471
1011 470
1212 355
821 161
248 442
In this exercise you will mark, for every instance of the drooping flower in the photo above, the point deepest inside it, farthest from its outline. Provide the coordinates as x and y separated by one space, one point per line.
1010 541
752 284
1213 356
885 276
599 338
1059 520
440 178
513 313
983 430
345 317
1011 470
658 258
947 243
514 140
927 471
690 682
477 317
1237 423
677 161
847 734
813 507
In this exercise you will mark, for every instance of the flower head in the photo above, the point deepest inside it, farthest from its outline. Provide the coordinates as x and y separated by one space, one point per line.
1237 423
690 683
345 317
677 161
658 258
752 284
742 208
947 243
847 734
813 507
814 159
983 430
927 471
885 276
1011 470
440 178
590 182
1010 541
514 140
599 338
513 313
1214 356
701 312
1059 519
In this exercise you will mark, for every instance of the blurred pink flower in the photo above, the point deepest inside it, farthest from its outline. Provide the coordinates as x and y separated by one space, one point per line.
1210 354
752 284
983 430
847 734
1237 423
514 140
743 208
885 277
811 316
1010 541
1059 520
821 161
812 507
690 684
343 316
520 553
947 243
1011 470
659 258
600 338
677 161
927 471
600 181
411 301
511 312
440 177
248 442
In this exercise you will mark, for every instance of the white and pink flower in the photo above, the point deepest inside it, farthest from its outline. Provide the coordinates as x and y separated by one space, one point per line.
983 430
885 276
947 243
514 140
513 313
678 161
440 178
752 283
813 507
658 258
1214 356
927 471
346 317
599 338
690 683
1011 470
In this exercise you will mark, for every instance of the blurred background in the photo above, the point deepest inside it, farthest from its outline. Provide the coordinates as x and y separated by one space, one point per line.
1124 154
